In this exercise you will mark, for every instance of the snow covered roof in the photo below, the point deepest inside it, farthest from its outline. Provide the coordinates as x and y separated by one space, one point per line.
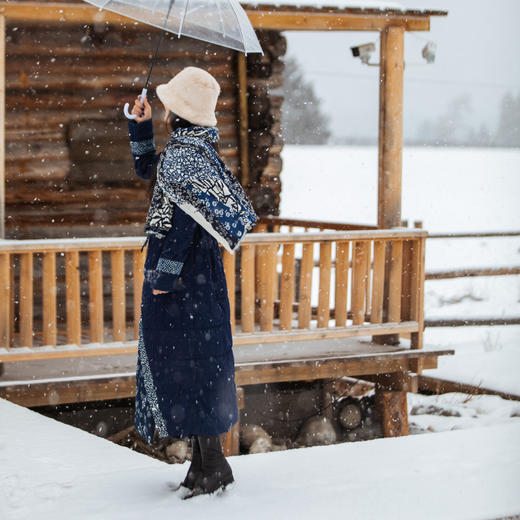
346 5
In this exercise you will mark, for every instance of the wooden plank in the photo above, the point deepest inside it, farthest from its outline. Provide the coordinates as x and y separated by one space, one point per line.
72 295
138 260
266 19
378 278
2 126
6 289
95 304
26 299
394 281
368 277
243 118
341 289
228 260
287 287
267 259
391 73
49 323
117 264
324 286
305 287
247 288
359 280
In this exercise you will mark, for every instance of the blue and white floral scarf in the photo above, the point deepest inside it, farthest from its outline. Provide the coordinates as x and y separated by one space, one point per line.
191 174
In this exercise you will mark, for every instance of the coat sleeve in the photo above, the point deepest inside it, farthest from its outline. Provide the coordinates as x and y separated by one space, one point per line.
175 248
142 145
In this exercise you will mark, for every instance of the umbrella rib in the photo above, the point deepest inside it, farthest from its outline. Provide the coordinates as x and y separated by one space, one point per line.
183 18
239 25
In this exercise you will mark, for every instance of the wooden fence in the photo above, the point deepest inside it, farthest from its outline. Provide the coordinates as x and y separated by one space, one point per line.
80 297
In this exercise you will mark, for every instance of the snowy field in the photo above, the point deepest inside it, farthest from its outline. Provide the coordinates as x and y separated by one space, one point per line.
449 190
64 472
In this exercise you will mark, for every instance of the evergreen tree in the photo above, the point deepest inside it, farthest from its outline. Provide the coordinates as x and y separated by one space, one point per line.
508 131
303 121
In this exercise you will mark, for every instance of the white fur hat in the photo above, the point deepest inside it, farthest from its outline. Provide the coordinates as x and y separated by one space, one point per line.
191 94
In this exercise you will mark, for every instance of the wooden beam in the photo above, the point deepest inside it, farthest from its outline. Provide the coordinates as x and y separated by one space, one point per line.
391 74
271 19
2 126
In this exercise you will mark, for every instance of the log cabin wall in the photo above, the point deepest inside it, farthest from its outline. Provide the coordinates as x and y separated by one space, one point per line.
69 171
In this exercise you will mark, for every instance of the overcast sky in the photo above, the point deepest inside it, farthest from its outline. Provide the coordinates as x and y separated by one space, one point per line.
478 53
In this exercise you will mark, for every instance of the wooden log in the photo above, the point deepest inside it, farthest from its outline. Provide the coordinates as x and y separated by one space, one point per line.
117 262
341 288
376 311
228 260
73 295
138 258
305 286
287 287
2 125
391 407
247 280
95 306
324 285
49 321
406 280
6 289
26 299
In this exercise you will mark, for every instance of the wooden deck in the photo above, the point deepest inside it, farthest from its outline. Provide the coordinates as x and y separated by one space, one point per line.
78 379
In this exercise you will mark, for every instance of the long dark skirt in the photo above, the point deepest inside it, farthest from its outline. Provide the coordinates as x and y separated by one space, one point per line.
185 374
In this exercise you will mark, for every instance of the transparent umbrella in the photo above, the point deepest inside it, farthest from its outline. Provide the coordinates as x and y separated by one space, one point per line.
222 22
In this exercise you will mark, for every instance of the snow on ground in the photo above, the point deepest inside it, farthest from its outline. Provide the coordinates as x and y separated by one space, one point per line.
449 190
63 472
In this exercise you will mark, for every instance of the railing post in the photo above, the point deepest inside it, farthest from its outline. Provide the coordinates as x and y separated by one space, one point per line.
247 287
417 298
49 325
324 287
228 260
6 291
287 287
95 304
117 259
304 302
26 299
341 289
73 296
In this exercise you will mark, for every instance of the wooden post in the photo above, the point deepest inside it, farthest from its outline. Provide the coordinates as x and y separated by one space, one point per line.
6 291
341 290
243 117
391 72
26 299
324 287
2 126
287 287
49 325
117 262
95 304
228 260
73 296
304 301
247 282
138 260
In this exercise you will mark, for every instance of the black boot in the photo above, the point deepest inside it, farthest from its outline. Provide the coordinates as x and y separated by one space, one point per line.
195 466
216 472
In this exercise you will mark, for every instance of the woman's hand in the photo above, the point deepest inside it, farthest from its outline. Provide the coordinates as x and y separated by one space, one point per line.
157 291
142 110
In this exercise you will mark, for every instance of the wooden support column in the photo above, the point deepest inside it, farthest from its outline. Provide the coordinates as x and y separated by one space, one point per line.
391 75
2 126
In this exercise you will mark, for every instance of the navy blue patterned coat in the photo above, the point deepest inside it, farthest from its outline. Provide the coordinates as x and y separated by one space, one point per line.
185 369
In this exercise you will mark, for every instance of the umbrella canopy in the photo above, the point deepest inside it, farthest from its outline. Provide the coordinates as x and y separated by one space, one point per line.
222 22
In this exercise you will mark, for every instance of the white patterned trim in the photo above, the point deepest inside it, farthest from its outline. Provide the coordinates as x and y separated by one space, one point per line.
165 265
150 387
142 147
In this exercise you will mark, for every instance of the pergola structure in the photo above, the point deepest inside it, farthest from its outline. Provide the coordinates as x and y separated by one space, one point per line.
383 264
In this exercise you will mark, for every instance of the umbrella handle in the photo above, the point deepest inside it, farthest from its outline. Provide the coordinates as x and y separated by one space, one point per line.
127 105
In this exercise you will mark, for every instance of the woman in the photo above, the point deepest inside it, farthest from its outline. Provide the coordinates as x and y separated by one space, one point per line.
185 368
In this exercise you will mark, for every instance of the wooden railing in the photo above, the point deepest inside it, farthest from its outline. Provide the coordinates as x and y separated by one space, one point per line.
80 297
